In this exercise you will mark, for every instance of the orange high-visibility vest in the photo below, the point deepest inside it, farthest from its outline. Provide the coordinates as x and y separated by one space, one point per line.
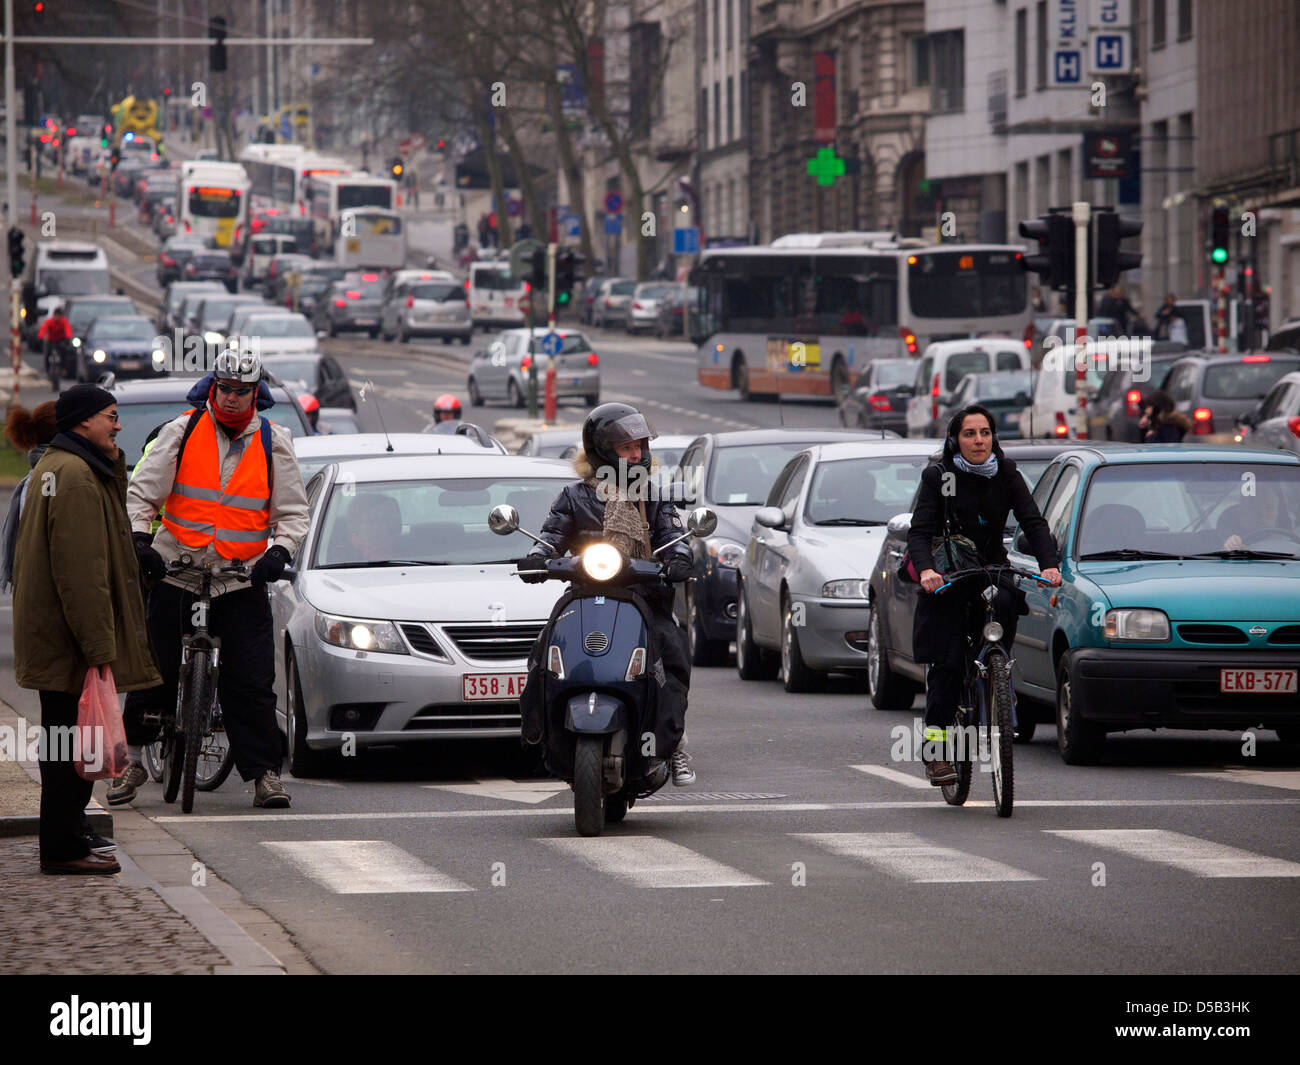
199 512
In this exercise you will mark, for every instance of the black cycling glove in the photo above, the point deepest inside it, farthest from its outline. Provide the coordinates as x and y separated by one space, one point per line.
151 563
270 567
532 569
679 569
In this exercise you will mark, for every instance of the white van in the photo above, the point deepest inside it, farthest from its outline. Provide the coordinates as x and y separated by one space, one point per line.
942 367
59 269
260 250
496 297
1054 411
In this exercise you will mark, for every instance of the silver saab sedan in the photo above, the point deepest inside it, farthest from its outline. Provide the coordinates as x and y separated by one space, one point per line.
803 602
404 620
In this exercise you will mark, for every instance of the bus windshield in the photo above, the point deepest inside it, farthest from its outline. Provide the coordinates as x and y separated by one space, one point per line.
214 202
364 196
966 284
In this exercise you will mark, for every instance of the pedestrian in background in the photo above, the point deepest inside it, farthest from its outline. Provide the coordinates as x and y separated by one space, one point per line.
30 431
1161 422
77 602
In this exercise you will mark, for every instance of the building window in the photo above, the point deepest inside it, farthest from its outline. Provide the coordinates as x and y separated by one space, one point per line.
1159 20
1040 43
717 5
948 70
919 61
702 120
731 111
717 114
1184 20
743 120
1022 52
730 5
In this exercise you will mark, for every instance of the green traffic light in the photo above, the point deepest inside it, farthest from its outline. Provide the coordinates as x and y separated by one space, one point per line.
1219 255
561 298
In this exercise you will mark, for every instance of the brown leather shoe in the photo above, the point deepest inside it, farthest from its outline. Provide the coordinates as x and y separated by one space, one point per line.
90 865
940 773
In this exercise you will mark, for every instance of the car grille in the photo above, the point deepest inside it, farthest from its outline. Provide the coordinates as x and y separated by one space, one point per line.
1216 634
446 716
1287 635
495 643
596 643
422 640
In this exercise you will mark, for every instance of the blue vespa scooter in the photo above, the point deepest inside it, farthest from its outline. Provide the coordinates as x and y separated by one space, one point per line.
598 670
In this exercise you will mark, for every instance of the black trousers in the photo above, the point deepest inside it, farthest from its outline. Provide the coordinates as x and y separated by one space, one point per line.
245 682
670 709
63 793
944 677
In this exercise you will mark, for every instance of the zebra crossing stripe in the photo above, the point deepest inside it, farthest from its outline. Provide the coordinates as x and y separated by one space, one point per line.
363 867
650 862
1200 857
909 857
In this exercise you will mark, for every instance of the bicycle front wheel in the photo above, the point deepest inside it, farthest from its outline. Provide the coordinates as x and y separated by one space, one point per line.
956 793
1002 732
216 760
173 739
196 723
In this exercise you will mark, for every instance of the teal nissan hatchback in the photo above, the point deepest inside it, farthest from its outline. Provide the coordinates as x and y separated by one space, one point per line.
1180 600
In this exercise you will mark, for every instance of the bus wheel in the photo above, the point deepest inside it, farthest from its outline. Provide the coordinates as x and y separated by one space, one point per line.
740 377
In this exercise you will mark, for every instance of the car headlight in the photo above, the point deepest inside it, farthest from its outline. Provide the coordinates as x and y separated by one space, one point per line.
1140 624
725 553
844 590
76 342
159 355
100 355
601 562
359 635
213 337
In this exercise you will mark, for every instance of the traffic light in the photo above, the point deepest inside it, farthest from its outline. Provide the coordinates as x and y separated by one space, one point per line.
564 277
17 260
538 275
115 158
217 52
1055 259
397 167
103 140
38 12
1108 230
1219 235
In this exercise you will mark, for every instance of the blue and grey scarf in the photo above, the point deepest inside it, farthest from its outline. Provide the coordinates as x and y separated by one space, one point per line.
987 468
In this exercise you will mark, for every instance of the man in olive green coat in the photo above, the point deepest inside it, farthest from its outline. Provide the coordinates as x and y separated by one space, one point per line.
77 602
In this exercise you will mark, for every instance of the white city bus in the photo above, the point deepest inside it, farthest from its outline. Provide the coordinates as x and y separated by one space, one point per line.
371 238
212 202
803 315
329 196
279 174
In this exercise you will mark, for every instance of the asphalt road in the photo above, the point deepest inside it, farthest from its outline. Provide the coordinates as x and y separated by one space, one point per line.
804 846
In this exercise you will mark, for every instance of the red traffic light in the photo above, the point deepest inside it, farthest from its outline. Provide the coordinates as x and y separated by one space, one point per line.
39 7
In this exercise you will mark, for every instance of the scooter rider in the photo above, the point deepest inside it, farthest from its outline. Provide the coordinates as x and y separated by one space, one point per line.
615 503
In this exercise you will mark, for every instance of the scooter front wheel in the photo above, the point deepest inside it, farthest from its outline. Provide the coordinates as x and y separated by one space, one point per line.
588 785
615 809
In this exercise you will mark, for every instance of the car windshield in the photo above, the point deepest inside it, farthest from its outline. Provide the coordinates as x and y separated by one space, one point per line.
366 290
864 490
1244 380
742 476
996 386
140 329
960 363
139 420
442 522
893 373
654 292
303 370
622 288
209 260
279 327
572 344
75 282
218 313
81 314
1183 508
313 286
442 293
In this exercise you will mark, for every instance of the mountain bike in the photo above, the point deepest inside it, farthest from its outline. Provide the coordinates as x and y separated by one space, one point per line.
216 758
191 728
986 712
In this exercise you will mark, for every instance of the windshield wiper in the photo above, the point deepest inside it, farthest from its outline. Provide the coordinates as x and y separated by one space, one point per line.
849 521
381 563
1242 552
1126 552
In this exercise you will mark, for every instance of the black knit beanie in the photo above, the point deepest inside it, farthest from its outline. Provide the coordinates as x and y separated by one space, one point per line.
79 403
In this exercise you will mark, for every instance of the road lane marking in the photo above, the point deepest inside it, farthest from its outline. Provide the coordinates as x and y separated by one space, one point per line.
1199 857
530 791
364 867
723 808
909 857
908 780
650 862
1268 778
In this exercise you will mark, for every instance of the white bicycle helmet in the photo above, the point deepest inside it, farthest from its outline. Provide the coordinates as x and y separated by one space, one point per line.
243 366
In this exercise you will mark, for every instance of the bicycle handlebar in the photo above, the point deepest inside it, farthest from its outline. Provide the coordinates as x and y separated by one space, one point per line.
961 574
237 570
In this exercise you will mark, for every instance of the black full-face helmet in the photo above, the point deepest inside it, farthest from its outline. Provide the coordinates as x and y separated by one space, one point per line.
610 425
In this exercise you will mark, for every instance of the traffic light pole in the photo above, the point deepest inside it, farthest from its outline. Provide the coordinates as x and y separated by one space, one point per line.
1082 213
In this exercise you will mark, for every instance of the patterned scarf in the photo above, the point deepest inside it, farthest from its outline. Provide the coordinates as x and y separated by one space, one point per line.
625 523
987 468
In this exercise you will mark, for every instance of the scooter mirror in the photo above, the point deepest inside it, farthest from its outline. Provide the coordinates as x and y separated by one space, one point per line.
503 520
701 522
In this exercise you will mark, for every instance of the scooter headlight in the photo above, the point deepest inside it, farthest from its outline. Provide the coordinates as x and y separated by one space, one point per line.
601 562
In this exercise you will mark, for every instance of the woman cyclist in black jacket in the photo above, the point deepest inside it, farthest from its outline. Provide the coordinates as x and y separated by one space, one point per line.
976 485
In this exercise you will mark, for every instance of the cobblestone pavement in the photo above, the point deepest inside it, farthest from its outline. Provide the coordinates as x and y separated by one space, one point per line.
89 924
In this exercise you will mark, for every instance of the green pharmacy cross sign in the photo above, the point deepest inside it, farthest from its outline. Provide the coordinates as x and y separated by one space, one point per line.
826 166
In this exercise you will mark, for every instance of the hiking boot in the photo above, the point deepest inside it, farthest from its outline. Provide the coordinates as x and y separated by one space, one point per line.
683 774
97 843
124 788
270 791
940 773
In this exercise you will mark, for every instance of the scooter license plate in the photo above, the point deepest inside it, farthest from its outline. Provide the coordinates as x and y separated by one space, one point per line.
1263 681
488 686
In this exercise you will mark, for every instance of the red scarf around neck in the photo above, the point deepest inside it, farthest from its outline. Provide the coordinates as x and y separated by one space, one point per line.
235 423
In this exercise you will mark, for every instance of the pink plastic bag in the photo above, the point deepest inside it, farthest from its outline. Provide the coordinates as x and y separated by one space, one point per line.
101 753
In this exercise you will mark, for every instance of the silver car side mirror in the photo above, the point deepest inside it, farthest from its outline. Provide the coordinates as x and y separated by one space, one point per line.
771 517
900 523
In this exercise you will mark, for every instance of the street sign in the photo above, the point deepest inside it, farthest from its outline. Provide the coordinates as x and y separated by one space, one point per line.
404 148
613 224
1067 67
686 241
613 203
552 343
1068 39
417 142
514 208
572 226
1108 53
